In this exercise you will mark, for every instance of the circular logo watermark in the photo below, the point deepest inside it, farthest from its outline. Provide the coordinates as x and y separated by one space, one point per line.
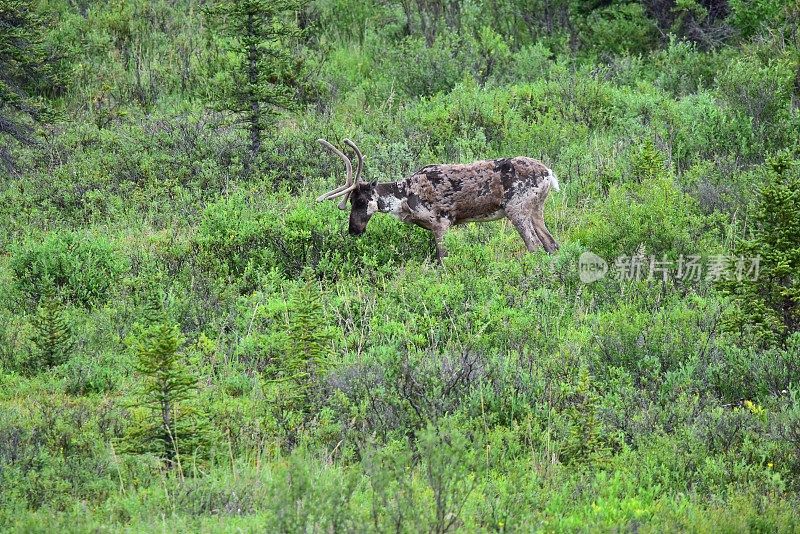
591 267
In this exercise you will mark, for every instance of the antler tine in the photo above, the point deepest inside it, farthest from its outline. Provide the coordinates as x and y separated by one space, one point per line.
348 167
352 145
348 142
349 185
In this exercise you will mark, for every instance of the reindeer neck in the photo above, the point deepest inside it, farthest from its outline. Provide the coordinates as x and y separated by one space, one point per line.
389 197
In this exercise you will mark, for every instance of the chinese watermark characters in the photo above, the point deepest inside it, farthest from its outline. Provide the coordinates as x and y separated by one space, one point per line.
684 268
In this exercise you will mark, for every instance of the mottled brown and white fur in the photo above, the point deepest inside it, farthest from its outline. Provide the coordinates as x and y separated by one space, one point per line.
437 197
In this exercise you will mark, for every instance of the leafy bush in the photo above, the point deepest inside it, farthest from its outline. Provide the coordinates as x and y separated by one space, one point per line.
751 17
86 375
435 69
760 91
81 267
652 218
234 238
683 69
606 27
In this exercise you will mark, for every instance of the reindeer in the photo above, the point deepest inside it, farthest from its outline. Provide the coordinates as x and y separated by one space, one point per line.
437 197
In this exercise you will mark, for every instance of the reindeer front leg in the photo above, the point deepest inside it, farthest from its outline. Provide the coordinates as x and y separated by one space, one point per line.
426 218
439 229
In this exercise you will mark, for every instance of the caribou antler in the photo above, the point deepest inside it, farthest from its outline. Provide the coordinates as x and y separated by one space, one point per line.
349 184
352 145
348 142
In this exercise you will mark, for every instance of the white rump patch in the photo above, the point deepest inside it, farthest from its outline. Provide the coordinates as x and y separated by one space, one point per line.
553 180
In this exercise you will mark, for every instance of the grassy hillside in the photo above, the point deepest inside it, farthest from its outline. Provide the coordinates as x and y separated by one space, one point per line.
188 342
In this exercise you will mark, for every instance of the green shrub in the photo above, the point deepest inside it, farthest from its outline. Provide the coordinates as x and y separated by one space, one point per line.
52 450
684 69
619 29
751 17
235 239
493 55
348 19
230 236
530 63
81 267
435 69
652 217
88 375
760 91
744 372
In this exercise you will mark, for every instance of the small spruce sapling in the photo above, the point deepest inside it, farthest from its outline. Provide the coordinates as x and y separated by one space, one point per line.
53 338
173 426
291 379
585 442
765 289
267 70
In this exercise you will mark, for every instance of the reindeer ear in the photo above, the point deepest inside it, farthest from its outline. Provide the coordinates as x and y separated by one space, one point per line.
373 183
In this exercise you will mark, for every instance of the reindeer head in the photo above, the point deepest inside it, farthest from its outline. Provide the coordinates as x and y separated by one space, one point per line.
361 194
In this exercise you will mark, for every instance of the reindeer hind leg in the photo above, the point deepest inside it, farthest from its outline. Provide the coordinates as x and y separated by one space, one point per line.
544 235
526 231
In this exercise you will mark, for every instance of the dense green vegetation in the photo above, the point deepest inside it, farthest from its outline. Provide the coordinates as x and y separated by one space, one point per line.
189 342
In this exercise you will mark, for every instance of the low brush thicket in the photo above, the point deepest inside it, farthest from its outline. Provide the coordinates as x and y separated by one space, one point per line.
189 342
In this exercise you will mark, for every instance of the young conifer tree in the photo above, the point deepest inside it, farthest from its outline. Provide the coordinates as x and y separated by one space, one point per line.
173 427
584 442
291 378
765 284
53 334
309 336
263 37
28 71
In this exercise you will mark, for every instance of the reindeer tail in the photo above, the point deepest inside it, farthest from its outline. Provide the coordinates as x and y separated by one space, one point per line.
554 181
